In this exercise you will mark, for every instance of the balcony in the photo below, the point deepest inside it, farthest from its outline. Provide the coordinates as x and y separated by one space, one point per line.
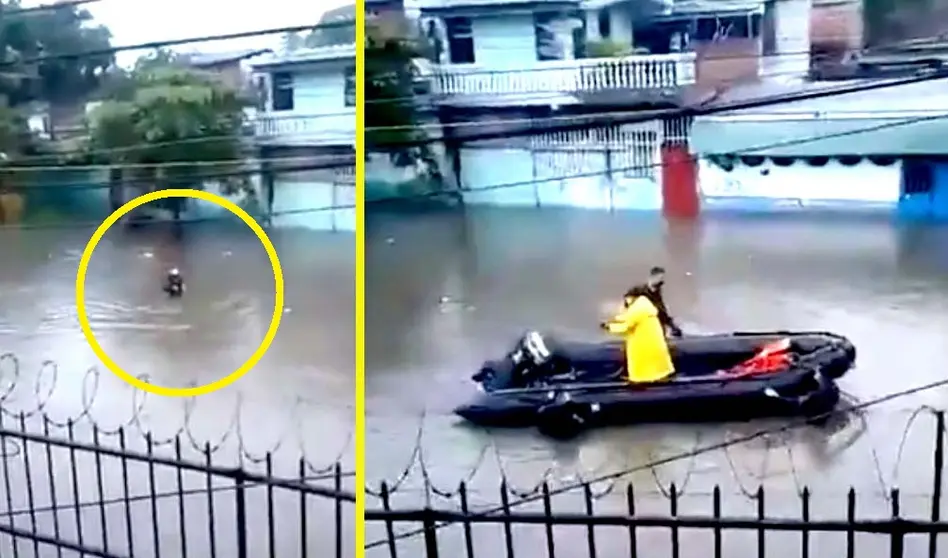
292 128
586 75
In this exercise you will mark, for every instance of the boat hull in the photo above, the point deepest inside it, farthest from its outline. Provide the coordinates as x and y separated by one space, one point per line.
598 394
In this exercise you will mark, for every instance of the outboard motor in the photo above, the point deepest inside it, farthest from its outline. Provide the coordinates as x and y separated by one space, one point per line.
535 349
528 360
174 283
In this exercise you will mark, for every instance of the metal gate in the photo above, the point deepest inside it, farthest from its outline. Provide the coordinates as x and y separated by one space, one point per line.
63 498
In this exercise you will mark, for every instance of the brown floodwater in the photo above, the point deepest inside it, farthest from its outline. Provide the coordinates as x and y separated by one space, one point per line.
446 290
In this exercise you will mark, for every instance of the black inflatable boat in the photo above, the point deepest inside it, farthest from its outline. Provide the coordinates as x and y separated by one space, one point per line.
564 387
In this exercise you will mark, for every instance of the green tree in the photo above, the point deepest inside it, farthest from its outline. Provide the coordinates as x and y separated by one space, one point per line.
33 71
31 44
171 129
340 33
392 106
62 30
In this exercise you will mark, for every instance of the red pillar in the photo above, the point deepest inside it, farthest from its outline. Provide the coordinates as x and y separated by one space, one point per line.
679 182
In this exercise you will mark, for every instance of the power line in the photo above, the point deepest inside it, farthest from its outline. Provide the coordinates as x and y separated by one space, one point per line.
79 152
179 164
43 8
467 124
613 119
177 42
196 220
752 149
182 221
592 63
614 64
441 126
190 179
553 94
337 207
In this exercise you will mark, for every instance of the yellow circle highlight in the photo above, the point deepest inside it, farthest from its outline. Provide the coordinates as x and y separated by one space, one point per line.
277 283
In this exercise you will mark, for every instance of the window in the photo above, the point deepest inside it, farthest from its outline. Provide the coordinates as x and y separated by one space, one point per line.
460 40
605 23
664 37
281 91
726 27
350 86
545 41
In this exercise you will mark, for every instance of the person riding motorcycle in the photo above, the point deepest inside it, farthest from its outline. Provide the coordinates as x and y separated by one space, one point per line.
652 289
646 350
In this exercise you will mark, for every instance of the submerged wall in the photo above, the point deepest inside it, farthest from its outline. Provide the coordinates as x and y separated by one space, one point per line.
766 184
84 196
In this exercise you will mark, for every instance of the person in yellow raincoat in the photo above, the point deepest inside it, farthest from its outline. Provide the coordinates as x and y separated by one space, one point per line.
646 350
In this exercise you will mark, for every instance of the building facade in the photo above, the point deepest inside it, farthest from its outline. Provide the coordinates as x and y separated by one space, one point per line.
520 69
880 151
305 135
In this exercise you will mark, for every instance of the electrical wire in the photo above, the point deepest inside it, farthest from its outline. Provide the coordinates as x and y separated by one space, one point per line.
331 161
554 96
340 164
583 117
592 63
160 44
349 163
260 119
80 152
43 8
177 42
380 515
752 149
614 119
614 66
337 163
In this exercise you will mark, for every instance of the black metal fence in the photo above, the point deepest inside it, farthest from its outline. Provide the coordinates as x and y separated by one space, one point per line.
529 527
65 498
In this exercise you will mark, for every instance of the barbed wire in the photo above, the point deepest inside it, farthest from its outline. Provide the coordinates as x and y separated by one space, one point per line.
417 463
44 387
704 450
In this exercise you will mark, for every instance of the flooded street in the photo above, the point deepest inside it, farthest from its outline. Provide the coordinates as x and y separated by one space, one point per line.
297 402
445 291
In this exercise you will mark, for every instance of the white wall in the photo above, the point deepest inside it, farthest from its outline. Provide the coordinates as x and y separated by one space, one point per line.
560 178
799 185
303 200
319 114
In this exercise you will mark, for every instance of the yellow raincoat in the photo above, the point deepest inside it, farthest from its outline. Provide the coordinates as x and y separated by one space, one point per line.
646 351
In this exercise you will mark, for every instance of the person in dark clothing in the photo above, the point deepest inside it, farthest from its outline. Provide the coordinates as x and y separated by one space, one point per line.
174 284
652 289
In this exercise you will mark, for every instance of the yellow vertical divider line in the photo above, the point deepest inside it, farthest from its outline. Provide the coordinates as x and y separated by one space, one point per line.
359 543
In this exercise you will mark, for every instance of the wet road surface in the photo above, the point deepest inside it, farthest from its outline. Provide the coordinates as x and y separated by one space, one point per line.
297 402
447 290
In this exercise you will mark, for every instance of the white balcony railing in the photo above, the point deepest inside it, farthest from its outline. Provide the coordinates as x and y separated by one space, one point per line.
660 71
297 128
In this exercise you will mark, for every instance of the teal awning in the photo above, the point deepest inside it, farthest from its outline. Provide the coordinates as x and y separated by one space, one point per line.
910 135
